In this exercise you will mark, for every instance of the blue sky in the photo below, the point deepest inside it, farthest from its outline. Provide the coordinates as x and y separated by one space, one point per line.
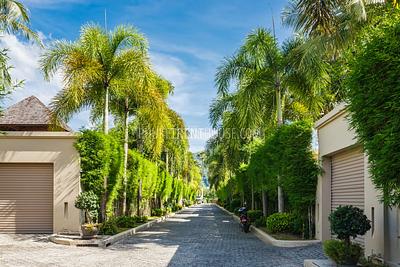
188 39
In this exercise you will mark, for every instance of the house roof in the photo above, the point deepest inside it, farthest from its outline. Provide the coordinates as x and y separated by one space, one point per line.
30 114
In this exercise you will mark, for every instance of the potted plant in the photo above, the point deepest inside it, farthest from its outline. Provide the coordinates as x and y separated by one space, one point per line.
346 222
88 202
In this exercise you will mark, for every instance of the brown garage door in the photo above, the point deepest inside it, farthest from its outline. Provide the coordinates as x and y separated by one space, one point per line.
26 198
348 180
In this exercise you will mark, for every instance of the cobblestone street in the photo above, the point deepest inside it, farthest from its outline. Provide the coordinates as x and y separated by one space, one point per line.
199 236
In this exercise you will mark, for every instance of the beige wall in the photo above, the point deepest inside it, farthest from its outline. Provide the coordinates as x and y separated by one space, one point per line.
49 147
334 135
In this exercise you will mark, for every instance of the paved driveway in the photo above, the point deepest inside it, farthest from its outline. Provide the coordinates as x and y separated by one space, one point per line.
200 236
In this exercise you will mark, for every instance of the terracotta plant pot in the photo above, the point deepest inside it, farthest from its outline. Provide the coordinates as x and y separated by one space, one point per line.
89 231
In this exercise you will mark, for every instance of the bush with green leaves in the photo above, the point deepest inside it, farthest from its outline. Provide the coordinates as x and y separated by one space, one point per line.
101 157
341 253
348 221
261 221
141 219
254 214
109 227
157 212
89 203
280 223
126 221
374 101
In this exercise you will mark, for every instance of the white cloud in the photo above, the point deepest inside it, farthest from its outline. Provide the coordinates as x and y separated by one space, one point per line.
24 58
51 3
169 67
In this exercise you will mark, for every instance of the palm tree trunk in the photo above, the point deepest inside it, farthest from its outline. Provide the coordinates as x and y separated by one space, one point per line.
264 202
105 118
126 137
252 196
280 122
105 179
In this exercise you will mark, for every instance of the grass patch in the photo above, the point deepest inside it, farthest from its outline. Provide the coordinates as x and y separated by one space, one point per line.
282 236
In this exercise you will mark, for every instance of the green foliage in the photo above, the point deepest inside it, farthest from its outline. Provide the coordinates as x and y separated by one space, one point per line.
374 96
126 221
342 253
280 223
89 203
261 221
109 227
349 221
254 214
157 212
101 157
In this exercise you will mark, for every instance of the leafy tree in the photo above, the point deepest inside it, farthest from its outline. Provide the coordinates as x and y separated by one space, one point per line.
268 78
374 102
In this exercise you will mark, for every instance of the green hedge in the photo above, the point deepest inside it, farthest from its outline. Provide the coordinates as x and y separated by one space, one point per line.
374 102
280 223
254 214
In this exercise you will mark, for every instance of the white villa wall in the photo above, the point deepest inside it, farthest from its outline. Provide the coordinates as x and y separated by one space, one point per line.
335 135
49 147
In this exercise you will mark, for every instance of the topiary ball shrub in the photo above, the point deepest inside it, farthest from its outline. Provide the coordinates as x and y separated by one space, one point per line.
348 221
280 223
341 253
254 214
89 203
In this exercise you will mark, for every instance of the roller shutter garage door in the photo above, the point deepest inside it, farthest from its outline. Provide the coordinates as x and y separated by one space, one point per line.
347 182
26 198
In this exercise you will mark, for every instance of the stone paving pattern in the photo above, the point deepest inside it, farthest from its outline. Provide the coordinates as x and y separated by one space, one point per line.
199 236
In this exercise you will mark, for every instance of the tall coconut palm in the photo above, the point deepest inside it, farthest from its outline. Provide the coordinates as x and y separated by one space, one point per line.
14 19
330 25
91 68
268 77
138 94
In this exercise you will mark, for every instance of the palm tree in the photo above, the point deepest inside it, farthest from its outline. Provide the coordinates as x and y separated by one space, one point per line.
330 25
139 94
14 19
267 78
92 67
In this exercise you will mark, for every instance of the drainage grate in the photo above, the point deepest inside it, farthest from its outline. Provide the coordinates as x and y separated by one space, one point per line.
87 245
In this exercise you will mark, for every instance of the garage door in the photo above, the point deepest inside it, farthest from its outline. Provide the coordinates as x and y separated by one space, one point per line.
348 180
26 198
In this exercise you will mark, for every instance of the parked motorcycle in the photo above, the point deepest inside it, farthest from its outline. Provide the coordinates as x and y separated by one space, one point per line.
244 220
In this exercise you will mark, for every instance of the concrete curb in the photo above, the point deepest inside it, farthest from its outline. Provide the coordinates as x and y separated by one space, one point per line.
263 236
108 240
118 237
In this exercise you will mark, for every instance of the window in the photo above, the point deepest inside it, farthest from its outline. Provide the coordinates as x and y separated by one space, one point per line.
65 210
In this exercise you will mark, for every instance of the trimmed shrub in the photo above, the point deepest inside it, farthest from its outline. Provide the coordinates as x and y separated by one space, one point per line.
141 219
349 221
126 221
280 223
89 203
157 212
254 214
109 227
341 253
